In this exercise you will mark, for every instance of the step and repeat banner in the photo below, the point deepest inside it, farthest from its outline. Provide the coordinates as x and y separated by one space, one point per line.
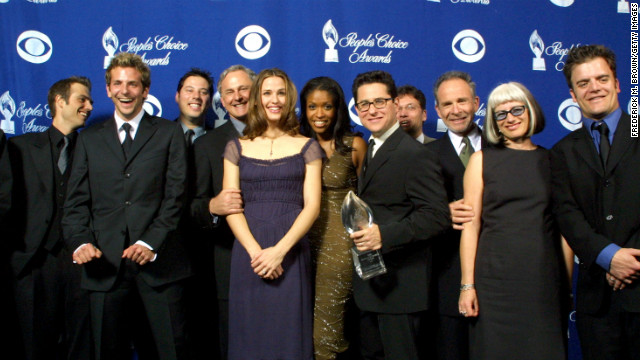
496 41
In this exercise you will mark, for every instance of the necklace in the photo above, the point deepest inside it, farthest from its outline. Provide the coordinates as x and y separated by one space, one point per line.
272 138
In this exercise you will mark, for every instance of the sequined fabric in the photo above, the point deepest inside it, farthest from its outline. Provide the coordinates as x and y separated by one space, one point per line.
330 246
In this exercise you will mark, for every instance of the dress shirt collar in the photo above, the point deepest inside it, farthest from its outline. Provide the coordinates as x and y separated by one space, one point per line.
420 138
379 141
135 123
611 120
239 125
474 137
197 131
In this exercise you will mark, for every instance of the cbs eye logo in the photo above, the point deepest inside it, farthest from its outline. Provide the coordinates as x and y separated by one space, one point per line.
253 42
353 113
34 46
152 106
570 115
562 3
468 46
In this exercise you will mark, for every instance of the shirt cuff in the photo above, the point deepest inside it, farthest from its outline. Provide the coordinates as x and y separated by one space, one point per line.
214 219
605 256
140 242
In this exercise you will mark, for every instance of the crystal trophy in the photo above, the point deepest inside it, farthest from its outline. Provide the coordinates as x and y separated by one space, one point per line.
357 215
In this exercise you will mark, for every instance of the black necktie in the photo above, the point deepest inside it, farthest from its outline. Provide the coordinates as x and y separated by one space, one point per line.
128 141
369 156
466 152
603 129
188 137
63 159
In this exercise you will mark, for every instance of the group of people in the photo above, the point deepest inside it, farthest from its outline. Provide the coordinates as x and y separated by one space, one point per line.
186 242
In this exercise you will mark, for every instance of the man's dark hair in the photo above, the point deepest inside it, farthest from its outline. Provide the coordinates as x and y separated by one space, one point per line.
582 54
454 74
372 77
63 88
197 72
415 92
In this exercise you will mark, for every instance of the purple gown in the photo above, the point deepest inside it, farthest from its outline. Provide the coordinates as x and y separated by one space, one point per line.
271 319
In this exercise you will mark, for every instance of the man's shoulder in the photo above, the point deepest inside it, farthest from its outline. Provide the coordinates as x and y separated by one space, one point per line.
568 139
216 136
27 138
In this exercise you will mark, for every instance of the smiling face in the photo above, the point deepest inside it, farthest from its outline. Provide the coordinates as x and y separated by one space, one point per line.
193 100
273 96
127 92
377 121
411 115
73 114
321 111
595 88
456 105
514 128
234 90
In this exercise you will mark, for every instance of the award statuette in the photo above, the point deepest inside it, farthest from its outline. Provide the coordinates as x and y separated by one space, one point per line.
356 215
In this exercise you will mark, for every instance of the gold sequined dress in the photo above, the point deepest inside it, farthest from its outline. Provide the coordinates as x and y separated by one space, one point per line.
330 246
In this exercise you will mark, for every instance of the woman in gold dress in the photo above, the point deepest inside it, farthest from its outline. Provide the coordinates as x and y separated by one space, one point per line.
325 118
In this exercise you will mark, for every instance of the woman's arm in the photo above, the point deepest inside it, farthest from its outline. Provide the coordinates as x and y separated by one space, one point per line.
237 222
473 189
269 259
358 153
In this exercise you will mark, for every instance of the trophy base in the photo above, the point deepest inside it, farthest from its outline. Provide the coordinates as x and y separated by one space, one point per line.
539 65
368 264
330 55
107 61
8 126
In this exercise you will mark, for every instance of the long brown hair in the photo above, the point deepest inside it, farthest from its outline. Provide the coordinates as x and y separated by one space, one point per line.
257 118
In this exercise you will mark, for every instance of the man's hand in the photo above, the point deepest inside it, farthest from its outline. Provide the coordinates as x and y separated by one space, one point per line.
86 253
228 201
138 253
367 239
615 283
460 213
625 265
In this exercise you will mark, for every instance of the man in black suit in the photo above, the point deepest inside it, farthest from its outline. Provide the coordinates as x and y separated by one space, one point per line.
456 104
193 97
412 112
52 309
124 202
211 203
403 185
595 172
5 178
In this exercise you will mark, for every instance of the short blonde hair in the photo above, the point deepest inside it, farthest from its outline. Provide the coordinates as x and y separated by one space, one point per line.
125 59
511 91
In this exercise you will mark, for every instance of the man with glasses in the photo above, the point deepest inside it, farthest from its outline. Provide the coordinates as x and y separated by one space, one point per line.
412 112
404 188
595 172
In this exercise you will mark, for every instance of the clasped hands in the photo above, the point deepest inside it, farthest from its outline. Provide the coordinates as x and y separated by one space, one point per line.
624 268
136 253
267 263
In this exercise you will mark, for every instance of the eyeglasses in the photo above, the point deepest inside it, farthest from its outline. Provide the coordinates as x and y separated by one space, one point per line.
515 111
379 103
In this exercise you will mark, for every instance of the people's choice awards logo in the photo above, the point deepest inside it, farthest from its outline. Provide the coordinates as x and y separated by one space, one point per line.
7 109
330 36
218 109
537 46
253 42
468 46
623 7
34 46
152 106
156 43
110 44
569 115
562 3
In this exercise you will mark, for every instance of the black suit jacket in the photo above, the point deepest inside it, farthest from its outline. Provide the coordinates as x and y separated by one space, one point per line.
595 207
404 188
208 152
5 178
111 200
31 217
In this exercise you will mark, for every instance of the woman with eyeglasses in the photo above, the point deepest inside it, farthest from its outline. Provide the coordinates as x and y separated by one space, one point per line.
278 171
325 118
515 264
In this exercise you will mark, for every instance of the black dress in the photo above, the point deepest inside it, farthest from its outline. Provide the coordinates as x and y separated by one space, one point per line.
518 272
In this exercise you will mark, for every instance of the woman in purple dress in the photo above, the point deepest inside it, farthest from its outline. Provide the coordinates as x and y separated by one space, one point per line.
278 171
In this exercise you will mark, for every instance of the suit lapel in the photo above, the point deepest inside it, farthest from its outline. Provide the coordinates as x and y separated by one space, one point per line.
146 129
42 158
381 157
621 142
585 149
110 136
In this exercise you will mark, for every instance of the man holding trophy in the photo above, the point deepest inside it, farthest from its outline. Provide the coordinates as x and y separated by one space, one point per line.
404 188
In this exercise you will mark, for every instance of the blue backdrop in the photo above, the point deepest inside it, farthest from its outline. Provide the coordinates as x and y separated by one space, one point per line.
42 41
